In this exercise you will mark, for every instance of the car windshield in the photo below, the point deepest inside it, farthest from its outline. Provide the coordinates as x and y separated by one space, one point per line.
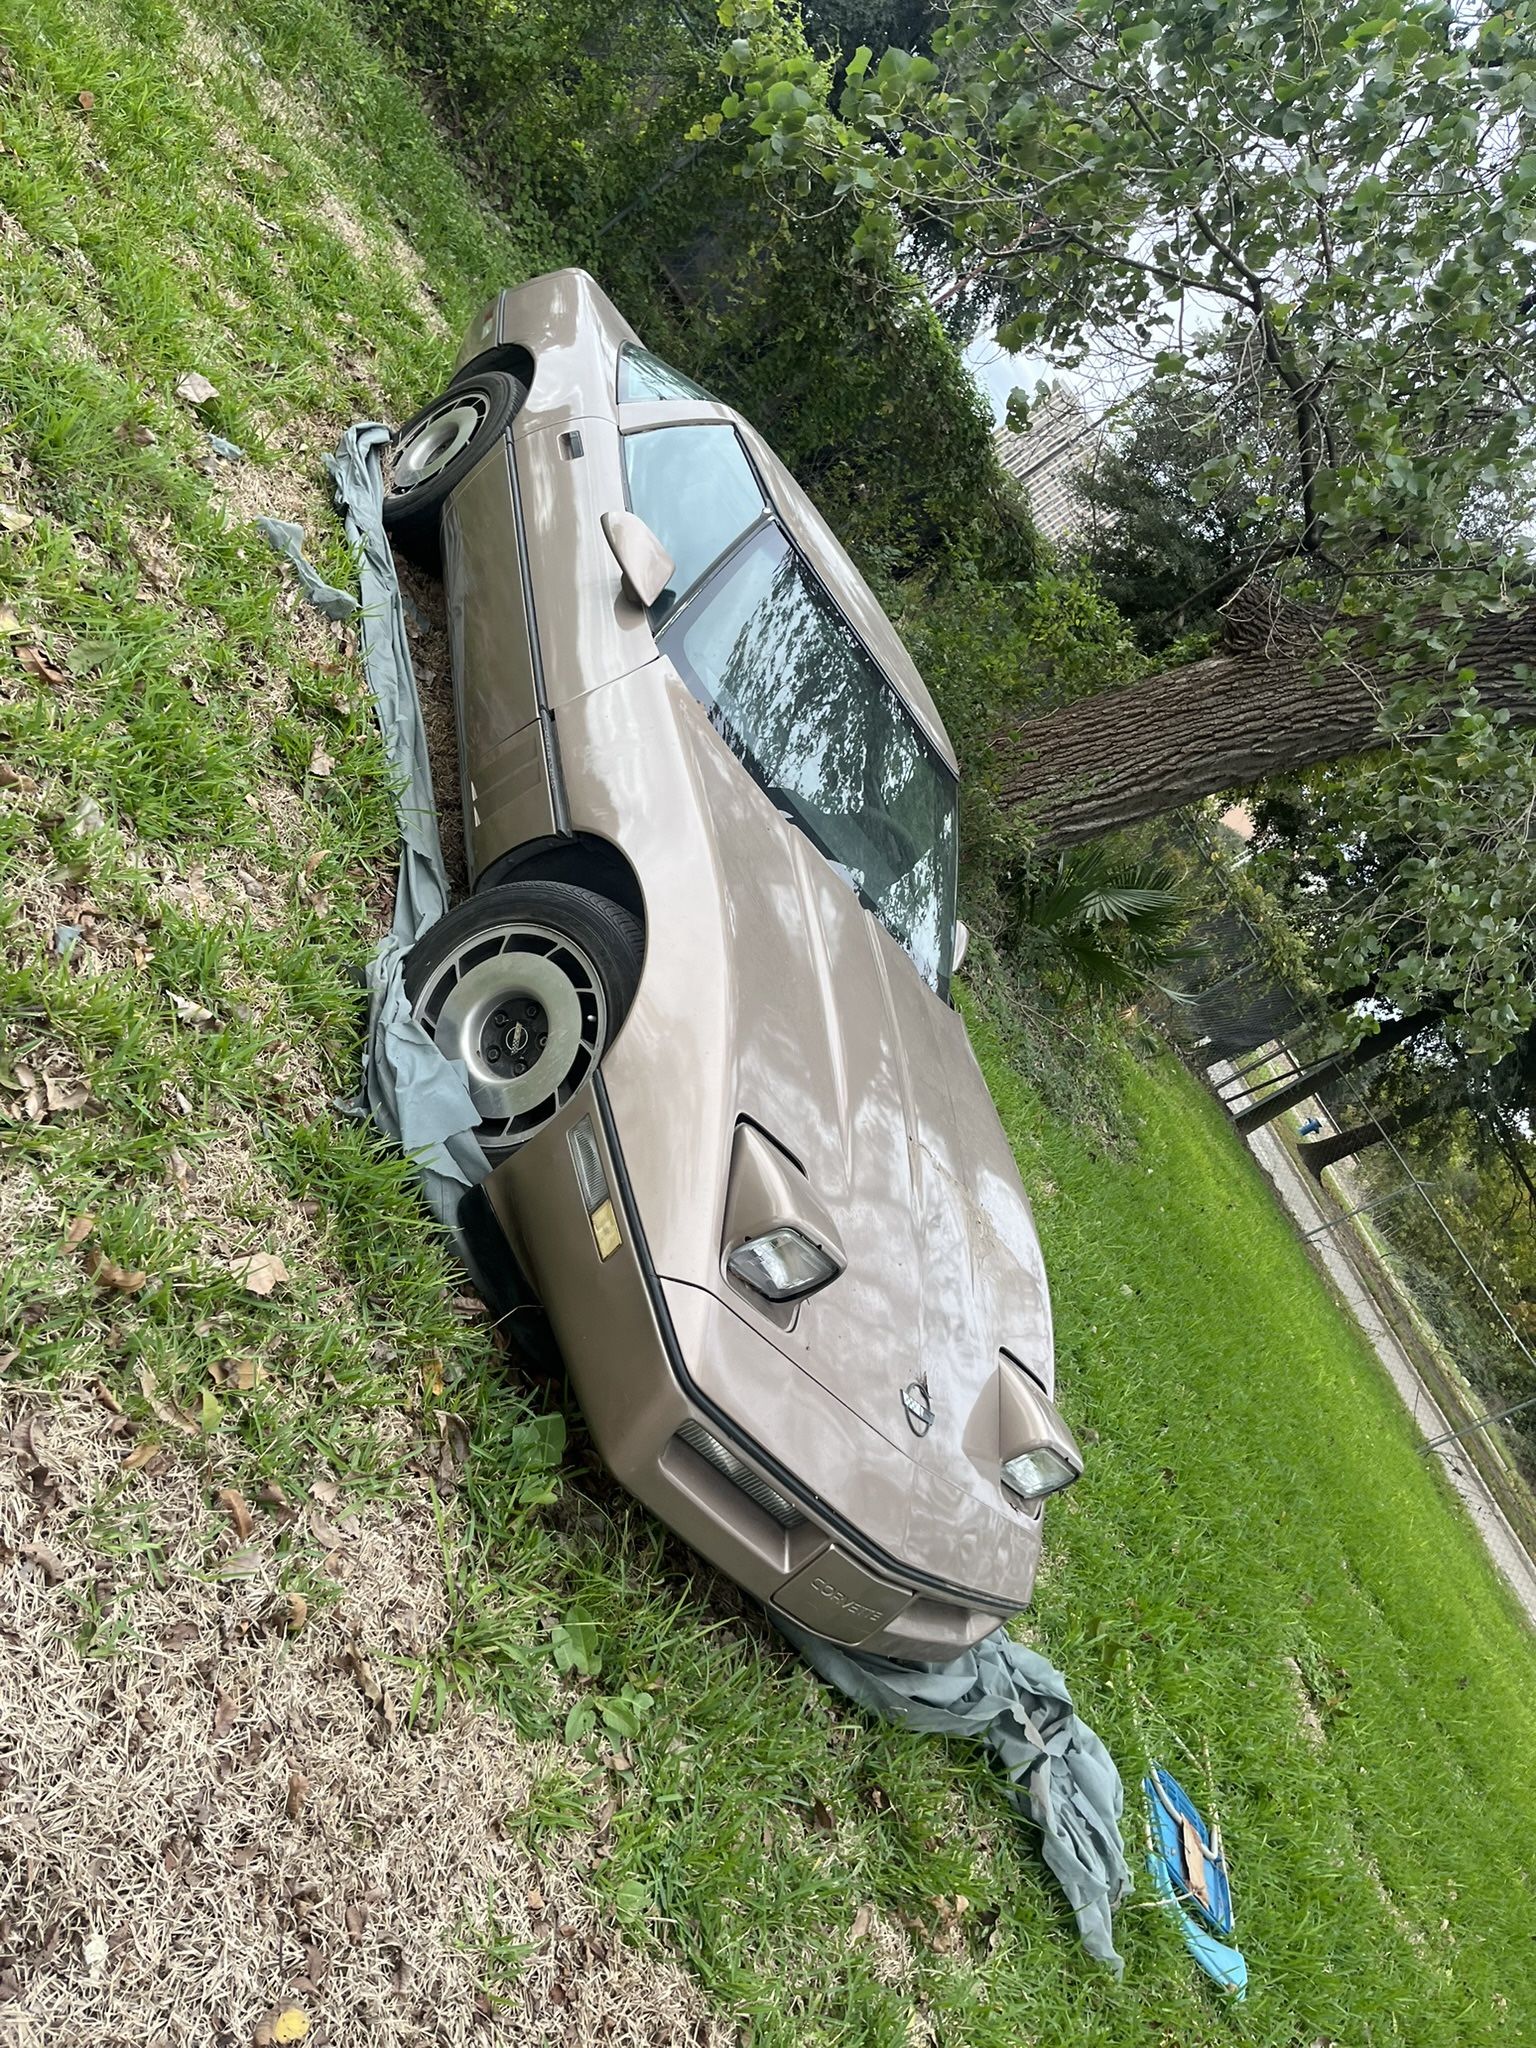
799 701
642 375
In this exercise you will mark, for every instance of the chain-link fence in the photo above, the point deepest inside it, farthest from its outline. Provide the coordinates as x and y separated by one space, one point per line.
1401 1209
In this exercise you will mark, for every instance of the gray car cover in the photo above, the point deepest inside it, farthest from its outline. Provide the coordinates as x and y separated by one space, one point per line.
1016 1705
1058 1773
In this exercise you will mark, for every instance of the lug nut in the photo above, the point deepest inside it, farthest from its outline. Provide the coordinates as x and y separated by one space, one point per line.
493 1052
530 1009
543 1040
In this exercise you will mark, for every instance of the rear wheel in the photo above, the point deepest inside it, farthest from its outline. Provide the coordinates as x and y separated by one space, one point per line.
526 985
434 452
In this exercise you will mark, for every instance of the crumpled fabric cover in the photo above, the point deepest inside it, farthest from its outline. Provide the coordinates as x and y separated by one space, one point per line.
1015 1704
1002 1695
288 540
420 1099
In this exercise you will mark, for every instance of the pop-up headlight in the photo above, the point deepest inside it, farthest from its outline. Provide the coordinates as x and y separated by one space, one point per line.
780 1244
1039 1453
783 1264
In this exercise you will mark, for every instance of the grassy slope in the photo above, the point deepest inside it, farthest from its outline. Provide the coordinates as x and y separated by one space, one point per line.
1254 1497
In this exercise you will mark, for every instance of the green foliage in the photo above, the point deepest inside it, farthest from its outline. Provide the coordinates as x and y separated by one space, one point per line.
1175 528
1357 193
1115 926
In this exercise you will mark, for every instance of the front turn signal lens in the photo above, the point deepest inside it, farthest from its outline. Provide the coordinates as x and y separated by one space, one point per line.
783 1264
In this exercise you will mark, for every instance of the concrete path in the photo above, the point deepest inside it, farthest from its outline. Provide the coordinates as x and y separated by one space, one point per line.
1294 1187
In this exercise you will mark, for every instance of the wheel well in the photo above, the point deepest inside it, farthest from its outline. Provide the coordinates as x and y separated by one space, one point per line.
510 356
584 860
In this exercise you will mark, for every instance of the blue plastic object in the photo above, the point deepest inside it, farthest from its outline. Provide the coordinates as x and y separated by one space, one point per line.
1190 1872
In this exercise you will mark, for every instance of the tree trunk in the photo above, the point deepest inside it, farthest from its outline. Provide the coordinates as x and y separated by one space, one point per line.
1266 704
1320 1152
1393 1032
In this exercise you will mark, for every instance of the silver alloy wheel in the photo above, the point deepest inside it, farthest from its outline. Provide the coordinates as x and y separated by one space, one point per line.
435 441
523 1009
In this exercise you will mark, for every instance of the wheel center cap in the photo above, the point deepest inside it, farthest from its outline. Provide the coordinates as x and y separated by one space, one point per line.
517 1038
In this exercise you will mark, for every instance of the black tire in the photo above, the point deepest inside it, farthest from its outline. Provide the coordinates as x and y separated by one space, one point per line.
434 452
527 985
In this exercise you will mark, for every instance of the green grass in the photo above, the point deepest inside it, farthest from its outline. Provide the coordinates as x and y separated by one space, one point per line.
1258 1569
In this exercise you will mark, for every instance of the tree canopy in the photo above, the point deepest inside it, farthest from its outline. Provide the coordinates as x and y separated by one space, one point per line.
1317 220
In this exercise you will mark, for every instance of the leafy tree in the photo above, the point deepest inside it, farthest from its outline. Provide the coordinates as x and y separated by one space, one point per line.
1346 197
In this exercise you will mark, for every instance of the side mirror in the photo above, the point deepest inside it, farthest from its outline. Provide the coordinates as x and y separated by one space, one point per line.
962 946
644 563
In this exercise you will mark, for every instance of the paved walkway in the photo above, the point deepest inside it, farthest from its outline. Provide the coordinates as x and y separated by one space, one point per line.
1297 1193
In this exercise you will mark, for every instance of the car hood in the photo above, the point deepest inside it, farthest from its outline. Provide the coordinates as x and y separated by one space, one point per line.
840 1053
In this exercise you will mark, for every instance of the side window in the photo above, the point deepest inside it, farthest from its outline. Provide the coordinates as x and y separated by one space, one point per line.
642 375
696 491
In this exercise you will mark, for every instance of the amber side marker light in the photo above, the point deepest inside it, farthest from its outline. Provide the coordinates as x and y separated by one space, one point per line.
593 1183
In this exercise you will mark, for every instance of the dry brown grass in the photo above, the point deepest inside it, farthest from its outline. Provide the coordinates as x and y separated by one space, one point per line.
207 1816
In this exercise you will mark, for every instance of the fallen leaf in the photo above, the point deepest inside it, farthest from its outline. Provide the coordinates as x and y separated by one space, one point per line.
320 762
9 623
13 519
860 1927
195 389
271 1495
8 1358
11 778
40 1555
85 101
190 1012
61 1094
288 1611
534 1900
259 1272
135 434
78 1232
36 663
370 1686
453 1448
298 1792
181 1635
34 1103
243 1564
142 1456
233 1503
177 1418
116 1279
211 1413
238 1375
226 1712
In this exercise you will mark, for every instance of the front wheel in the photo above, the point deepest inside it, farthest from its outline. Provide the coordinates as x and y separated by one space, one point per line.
526 985
434 452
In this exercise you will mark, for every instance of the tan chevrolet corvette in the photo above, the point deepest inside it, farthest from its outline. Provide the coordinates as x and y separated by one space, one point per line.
744 1158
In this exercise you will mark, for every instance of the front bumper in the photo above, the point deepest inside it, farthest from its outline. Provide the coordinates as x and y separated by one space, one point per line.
626 1338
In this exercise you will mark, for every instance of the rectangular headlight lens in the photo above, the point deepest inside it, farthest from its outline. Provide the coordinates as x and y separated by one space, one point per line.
782 1264
1034 1474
